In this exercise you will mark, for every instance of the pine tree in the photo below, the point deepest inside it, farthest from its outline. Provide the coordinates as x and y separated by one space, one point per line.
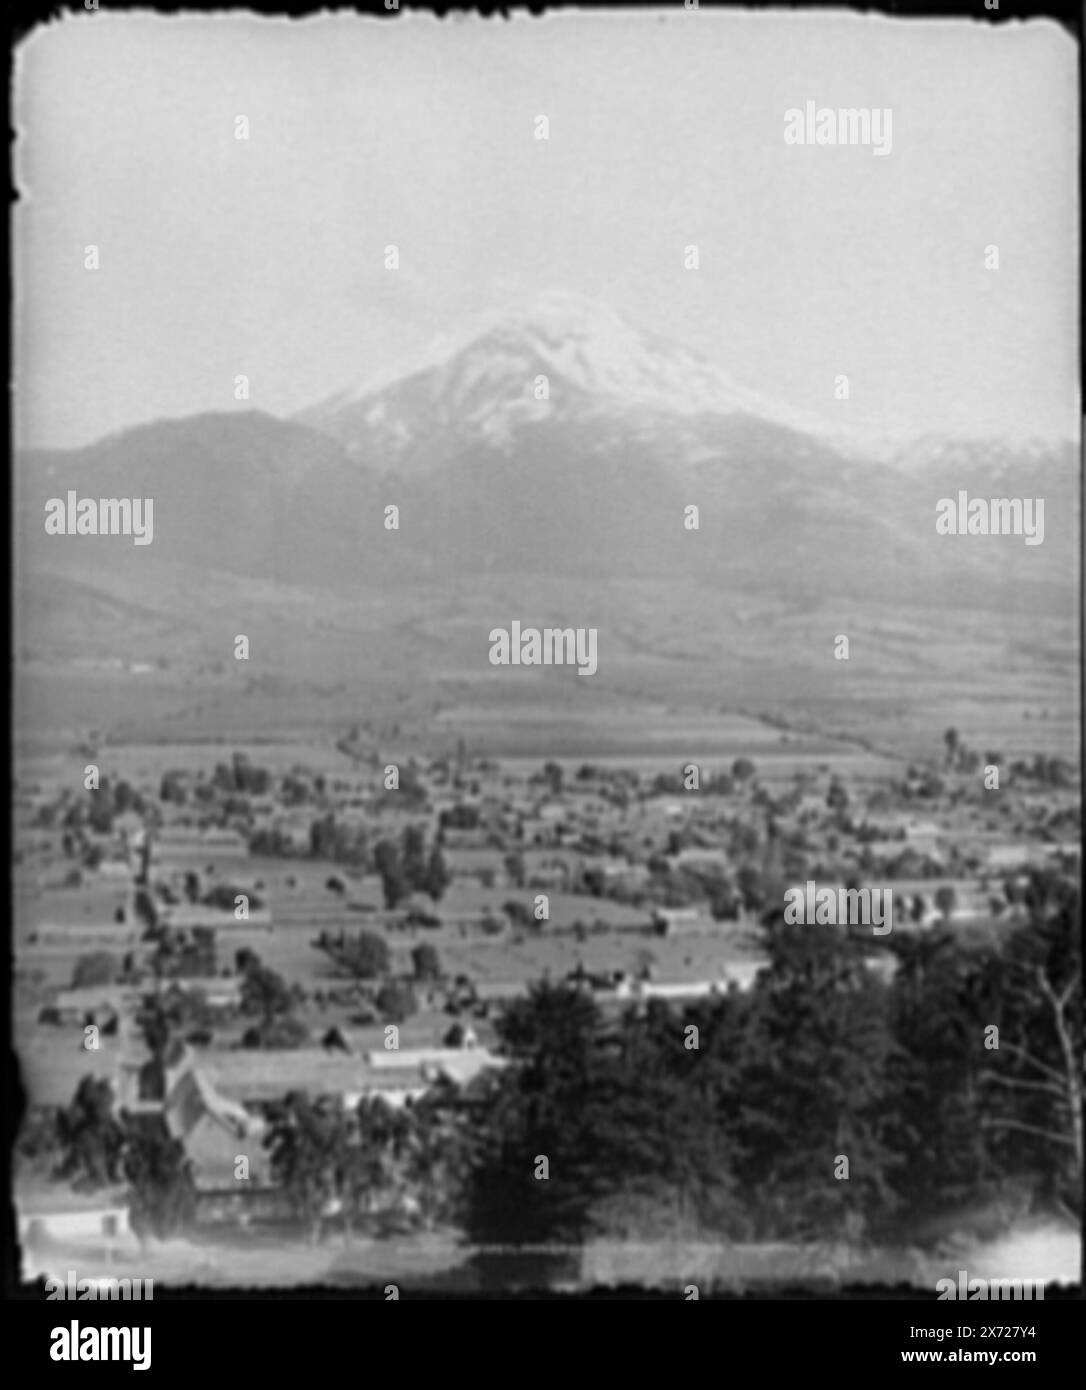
162 1189
941 999
816 1087
542 1106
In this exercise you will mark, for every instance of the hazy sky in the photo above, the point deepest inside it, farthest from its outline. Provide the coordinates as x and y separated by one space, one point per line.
265 257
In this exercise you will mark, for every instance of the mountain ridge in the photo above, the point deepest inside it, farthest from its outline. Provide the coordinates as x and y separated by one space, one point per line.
592 483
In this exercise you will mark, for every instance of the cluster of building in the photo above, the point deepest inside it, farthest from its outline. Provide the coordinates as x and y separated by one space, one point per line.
668 883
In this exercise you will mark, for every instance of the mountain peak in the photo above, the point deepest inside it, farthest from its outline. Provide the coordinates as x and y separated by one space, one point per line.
589 353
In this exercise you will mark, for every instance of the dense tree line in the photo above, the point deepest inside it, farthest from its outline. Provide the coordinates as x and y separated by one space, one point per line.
828 1101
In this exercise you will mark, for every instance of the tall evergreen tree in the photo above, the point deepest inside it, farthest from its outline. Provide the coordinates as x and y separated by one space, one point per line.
816 1087
542 1107
942 997
162 1189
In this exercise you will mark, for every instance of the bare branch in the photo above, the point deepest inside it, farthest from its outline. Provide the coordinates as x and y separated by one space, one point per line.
1050 1088
1033 1062
1066 1043
1029 1129
1058 1001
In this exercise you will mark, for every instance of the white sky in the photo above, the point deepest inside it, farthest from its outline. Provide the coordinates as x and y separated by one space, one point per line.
265 257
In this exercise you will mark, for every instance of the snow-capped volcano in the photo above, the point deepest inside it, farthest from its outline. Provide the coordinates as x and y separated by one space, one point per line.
482 380
589 480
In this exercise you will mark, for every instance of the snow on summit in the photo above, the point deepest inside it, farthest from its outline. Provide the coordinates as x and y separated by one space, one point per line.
595 361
